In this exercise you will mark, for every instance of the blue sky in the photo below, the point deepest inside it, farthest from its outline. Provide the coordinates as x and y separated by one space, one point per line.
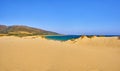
64 16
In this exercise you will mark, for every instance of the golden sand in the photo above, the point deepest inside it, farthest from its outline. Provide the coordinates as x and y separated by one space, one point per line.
39 54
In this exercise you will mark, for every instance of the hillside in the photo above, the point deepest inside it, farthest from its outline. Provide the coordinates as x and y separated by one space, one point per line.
23 30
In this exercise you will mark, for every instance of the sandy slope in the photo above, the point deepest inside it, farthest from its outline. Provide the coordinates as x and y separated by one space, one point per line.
39 54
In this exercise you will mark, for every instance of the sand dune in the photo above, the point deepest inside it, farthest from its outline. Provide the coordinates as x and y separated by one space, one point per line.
39 54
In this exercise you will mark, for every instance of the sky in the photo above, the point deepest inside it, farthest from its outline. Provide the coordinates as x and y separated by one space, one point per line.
81 17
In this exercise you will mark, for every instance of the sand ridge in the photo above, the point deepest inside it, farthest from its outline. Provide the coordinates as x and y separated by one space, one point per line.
34 53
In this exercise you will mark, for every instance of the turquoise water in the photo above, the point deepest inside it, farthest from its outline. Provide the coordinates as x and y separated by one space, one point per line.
63 38
69 37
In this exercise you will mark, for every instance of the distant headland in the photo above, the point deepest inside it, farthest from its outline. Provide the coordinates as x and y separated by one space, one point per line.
20 30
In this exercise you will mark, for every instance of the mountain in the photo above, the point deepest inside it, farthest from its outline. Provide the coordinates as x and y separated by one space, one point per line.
24 30
3 28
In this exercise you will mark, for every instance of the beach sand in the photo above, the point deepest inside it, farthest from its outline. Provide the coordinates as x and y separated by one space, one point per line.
39 54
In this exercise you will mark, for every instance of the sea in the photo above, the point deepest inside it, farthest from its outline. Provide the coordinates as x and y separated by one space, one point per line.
70 37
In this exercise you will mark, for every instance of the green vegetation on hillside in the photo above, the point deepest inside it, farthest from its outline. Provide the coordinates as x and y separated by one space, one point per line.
23 31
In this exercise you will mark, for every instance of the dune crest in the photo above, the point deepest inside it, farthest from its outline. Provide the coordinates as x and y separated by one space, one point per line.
35 53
